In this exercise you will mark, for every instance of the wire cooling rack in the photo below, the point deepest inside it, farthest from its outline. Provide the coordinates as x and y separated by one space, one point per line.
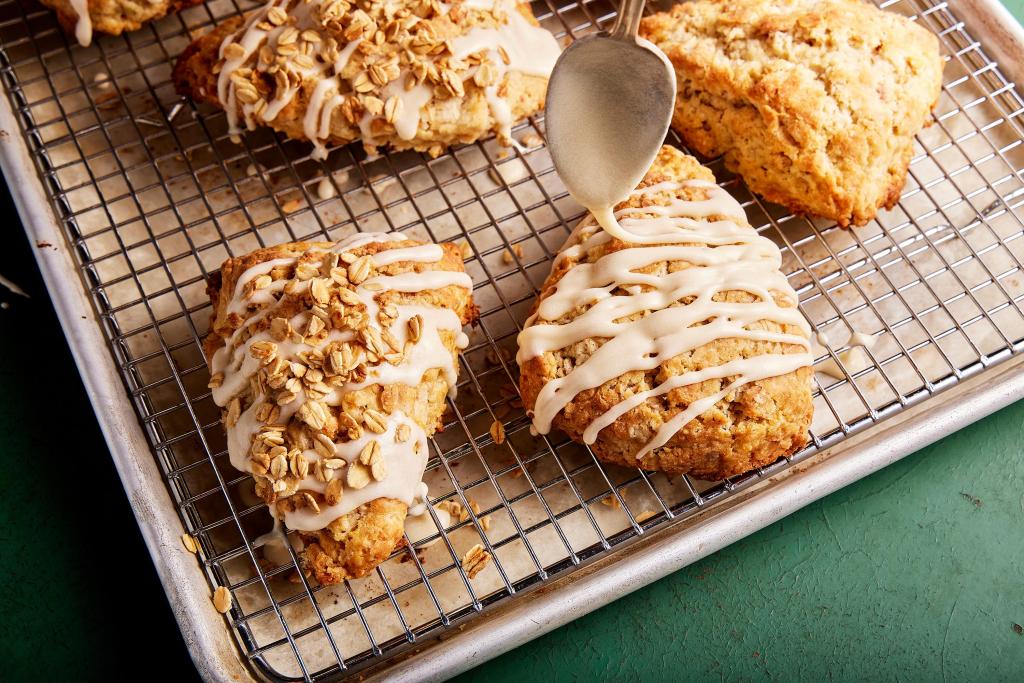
152 197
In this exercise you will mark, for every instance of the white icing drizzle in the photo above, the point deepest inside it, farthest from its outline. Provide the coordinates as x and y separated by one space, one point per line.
420 525
854 359
406 459
325 189
725 255
83 25
275 544
530 49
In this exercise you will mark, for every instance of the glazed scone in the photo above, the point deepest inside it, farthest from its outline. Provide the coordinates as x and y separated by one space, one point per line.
814 103
682 351
332 362
81 18
410 74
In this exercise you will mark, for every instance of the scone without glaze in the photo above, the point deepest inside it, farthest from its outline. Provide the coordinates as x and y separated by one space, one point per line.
411 74
110 16
685 354
815 104
332 362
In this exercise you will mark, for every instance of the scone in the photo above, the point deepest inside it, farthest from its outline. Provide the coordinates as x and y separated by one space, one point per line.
80 18
332 362
814 103
683 351
411 74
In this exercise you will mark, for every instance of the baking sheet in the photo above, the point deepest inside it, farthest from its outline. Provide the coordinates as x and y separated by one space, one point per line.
153 197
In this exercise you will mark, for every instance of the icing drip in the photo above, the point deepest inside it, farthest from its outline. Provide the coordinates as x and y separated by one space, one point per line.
514 46
529 50
83 25
725 255
402 442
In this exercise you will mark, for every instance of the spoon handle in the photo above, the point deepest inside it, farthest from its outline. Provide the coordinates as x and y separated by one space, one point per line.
627 23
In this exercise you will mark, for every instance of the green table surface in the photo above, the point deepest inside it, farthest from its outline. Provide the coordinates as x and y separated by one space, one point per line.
914 573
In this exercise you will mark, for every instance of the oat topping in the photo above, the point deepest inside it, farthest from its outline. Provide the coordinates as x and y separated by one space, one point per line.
306 378
374 64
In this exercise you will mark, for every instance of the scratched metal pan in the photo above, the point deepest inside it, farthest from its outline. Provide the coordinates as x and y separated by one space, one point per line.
135 195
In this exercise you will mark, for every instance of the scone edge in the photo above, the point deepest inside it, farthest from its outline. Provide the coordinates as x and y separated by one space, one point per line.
773 414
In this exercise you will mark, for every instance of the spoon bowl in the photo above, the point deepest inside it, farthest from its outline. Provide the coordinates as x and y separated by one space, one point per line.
609 104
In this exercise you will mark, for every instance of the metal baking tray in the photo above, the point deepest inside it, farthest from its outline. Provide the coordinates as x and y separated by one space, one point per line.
134 195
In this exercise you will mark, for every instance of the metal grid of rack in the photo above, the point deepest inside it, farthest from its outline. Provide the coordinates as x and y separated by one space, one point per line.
153 196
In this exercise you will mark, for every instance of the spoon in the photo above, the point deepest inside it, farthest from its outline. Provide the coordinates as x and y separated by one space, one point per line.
609 104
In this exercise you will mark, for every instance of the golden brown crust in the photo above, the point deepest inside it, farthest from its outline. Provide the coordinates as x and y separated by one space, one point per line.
116 16
754 426
815 104
353 545
445 120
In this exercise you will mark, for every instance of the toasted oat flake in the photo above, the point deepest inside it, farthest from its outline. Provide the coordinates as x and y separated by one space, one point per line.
415 325
222 600
379 469
370 453
402 433
475 560
360 270
277 16
393 109
233 413
234 51
645 515
324 446
319 289
333 492
531 140
279 467
310 502
498 432
291 206
216 380
375 421
190 543
611 501
358 476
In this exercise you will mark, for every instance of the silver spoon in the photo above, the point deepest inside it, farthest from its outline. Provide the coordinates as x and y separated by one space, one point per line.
609 104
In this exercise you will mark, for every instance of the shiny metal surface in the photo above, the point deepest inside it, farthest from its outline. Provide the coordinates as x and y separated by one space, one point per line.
145 196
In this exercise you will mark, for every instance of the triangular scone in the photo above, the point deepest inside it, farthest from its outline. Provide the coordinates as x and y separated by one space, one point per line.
83 18
332 362
682 352
815 103
409 74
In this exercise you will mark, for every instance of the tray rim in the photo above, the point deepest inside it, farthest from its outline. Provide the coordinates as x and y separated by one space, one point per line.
546 606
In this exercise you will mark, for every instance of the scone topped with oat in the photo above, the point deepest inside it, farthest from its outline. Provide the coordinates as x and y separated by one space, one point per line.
815 103
332 362
411 74
83 18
